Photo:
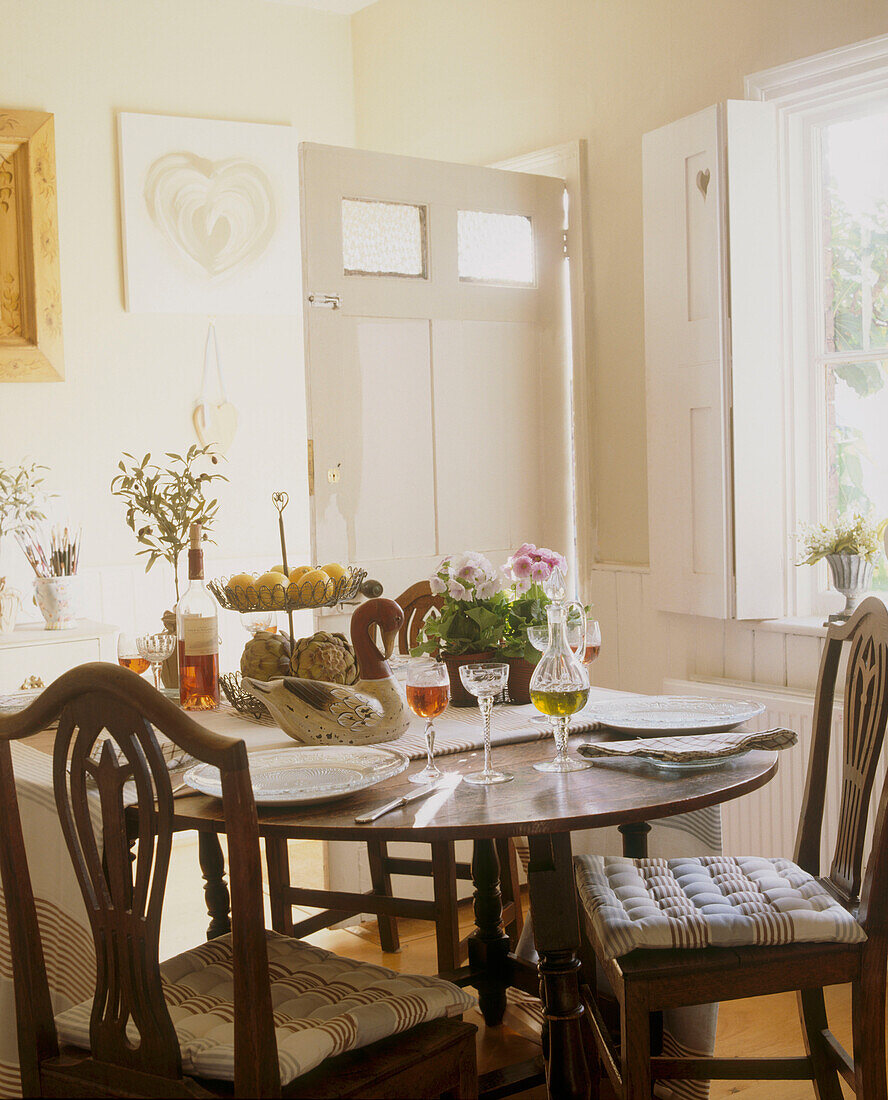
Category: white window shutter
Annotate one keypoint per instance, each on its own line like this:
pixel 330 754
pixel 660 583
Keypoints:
pixel 685 353
pixel 757 386
pixel 712 349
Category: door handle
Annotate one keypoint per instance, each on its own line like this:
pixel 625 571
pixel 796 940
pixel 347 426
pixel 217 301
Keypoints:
pixel 325 301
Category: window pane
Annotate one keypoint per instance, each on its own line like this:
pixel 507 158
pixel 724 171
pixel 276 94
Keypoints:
pixel 495 248
pixel 857 412
pixel 384 238
pixel 855 223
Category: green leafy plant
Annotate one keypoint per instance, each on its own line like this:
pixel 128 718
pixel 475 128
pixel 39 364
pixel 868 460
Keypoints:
pixel 856 533
pixel 21 497
pixel 170 499
pixel 475 609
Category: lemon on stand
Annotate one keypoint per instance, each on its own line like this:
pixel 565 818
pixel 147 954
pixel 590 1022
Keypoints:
pixel 335 571
pixel 242 591
pixel 272 589
pixel 313 587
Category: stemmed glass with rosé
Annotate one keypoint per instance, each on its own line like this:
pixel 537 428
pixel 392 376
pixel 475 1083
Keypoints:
pixel 428 693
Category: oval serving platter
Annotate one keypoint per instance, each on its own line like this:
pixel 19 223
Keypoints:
pixel 654 715
pixel 306 775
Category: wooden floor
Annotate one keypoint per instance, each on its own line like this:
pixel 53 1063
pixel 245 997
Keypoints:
pixel 765 1026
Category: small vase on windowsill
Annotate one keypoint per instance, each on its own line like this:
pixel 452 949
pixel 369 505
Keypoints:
pixel 852 575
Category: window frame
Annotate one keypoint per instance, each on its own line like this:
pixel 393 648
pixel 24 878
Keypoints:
pixel 808 95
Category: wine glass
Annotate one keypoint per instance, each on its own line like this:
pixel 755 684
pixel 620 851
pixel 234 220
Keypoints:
pixel 485 680
pixel 128 655
pixel 155 649
pixel 593 642
pixel 428 693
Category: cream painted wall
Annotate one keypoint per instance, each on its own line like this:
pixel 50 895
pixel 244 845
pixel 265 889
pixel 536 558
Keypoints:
pixel 478 82
pixel 132 379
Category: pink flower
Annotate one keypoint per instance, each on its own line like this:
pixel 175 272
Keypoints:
pixel 521 566
pixel 526 549
pixel 437 586
pixel 540 571
pixel 457 591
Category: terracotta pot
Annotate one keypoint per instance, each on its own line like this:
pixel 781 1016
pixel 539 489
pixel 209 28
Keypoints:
pixel 459 697
pixel 520 672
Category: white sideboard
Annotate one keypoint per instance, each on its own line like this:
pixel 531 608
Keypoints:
pixel 31 650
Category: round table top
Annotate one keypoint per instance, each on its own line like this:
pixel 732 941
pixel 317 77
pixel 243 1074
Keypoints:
pixel 611 792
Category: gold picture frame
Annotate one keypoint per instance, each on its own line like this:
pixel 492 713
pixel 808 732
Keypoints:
pixel 30 287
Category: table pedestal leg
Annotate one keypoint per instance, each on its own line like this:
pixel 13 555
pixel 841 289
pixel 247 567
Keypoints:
pixel 212 865
pixel 489 944
pixel 635 839
pixel 556 930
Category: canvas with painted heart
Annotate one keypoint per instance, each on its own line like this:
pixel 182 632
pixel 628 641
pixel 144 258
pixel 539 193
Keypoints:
pixel 210 216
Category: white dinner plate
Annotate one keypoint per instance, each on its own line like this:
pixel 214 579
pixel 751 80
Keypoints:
pixel 307 775
pixel 652 715
pixel 685 765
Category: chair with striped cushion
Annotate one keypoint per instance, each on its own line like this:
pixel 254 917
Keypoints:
pixel 680 932
pixel 252 1013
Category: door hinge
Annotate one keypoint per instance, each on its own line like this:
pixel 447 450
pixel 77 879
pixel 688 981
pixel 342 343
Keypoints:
pixel 325 301
pixel 311 467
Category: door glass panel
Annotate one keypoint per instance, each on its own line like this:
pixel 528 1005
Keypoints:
pixel 384 238
pixel 495 248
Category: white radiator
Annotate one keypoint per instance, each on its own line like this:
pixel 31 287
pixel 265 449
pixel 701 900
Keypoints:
pixel 765 822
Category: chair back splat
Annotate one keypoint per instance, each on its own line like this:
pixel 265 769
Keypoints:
pixel 865 714
pixel 130 1025
pixel 417 602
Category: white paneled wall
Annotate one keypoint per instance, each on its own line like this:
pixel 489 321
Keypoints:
pixel 641 646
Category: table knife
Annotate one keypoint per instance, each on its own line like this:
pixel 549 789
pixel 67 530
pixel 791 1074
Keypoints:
pixel 395 804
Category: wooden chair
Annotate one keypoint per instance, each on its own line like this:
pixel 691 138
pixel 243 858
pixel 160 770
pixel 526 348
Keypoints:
pixel 417 602
pixel 124 896
pixel 646 980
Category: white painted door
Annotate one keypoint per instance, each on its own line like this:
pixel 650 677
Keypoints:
pixel 435 361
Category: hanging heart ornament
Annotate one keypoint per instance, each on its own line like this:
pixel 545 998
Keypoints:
pixel 215 422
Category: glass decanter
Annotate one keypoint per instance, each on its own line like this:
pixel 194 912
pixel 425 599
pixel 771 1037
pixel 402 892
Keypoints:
pixel 559 686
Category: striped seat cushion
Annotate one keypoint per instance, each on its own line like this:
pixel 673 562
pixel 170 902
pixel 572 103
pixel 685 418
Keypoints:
pixel 707 901
pixel 323 1005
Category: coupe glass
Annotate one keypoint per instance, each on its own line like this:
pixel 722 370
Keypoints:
pixel 254 621
pixel 428 693
pixel 128 655
pixel 485 680
pixel 156 648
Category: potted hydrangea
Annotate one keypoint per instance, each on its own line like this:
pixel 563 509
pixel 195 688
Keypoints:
pixel 472 620
pixel 528 569
pixel 850 548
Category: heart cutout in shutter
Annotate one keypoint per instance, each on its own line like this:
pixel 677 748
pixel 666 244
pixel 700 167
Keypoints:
pixel 220 214
pixel 703 181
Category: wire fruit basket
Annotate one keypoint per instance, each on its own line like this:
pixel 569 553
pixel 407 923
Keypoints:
pixel 294 596
pixel 241 699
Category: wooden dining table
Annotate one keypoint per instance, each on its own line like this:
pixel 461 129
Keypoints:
pixel 543 806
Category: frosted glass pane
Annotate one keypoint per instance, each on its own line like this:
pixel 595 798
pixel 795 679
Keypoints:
pixel 495 248
pixel 384 238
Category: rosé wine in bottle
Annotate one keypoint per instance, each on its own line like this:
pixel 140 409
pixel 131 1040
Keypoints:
pixel 197 627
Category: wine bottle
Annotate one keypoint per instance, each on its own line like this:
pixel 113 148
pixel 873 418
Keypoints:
pixel 197 628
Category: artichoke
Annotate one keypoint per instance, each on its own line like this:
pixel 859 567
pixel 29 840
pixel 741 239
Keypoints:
pixel 325 656
pixel 266 656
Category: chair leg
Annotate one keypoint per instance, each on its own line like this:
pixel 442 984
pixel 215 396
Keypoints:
pixel 812 1011
pixel 447 922
pixel 868 1017
pixel 635 1046
pixel 382 885
pixel 510 886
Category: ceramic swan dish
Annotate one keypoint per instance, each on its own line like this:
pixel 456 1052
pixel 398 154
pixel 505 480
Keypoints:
pixel 373 709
